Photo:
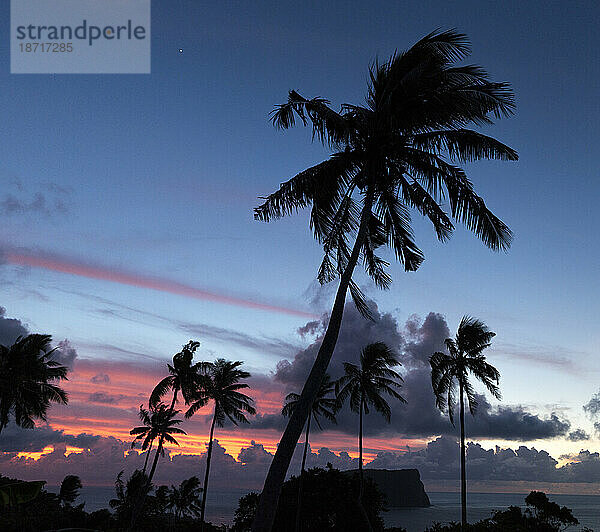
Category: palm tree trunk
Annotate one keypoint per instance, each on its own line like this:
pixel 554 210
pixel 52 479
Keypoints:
pixel 210 443
pixel 463 469
pixel 269 498
pixel 360 446
pixel 299 505
pixel 147 456
pixel 141 499
pixel 174 400
pixel 361 506
pixel 155 461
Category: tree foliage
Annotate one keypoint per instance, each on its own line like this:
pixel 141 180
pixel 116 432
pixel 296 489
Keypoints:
pixel 329 504
pixel 28 377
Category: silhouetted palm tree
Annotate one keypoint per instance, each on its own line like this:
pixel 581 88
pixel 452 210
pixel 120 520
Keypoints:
pixel 130 495
pixel 323 406
pixel 220 383
pixel 365 385
pixel 27 373
pixel 69 489
pixel 451 370
pixel 394 154
pixel 158 423
pixel 185 500
pixel 183 376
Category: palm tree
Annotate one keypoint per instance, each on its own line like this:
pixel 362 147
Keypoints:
pixel 220 383
pixel 323 406
pixel 185 500
pixel 451 370
pixel 396 153
pixel 158 423
pixel 129 494
pixel 183 376
pixel 69 489
pixel 27 373
pixel 365 385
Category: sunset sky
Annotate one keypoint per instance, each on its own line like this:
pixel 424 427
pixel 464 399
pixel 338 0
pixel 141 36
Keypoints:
pixel 126 229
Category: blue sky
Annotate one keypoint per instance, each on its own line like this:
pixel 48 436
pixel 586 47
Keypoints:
pixel 158 174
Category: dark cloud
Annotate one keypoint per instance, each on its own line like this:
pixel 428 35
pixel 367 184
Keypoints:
pixel 578 435
pixel 65 354
pixel 15 439
pixel 10 328
pixel 105 398
pixel 424 339
pixel 592 407
pixel 101 378
pixel 419 417
pixel 355 333
pixel 439 460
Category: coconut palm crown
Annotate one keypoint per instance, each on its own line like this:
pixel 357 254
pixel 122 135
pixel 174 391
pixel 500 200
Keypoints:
pixel 396 153
pixel 28 380
pixel 183 376
pixel 451 371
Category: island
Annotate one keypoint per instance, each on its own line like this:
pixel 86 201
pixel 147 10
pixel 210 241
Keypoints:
pixel 402 487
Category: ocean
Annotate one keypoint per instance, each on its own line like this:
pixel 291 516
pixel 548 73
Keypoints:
pixel 445 507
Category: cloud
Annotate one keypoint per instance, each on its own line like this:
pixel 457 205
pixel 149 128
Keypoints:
pixel 578 435
pixel 101 378
pixel 14 439
pixel 262 345
pixel 65 354
pixel 556 357
pixel 592 407
pixel 52 199
pixel 415 341
pixel 105 398
pixel 62 264
pixel 10 328
pixel 104 457
pixel 39 203
pixel 440 460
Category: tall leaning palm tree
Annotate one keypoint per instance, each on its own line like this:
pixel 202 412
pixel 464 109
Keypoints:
pixel 398 152
pixel 220 383
pixel 449 371
pixel 324 406
pixel 28 380
pixel 365 386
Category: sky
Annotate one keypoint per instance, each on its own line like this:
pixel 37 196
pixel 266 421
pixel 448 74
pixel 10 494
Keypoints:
pixel 126 229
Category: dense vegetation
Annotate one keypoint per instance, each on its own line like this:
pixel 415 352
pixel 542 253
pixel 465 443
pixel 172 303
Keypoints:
pixel 329 504
pixel 175 508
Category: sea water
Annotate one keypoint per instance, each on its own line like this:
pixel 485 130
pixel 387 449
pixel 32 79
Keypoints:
pixel 445 507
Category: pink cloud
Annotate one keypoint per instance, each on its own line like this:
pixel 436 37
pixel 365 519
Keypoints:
pixel 70 266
